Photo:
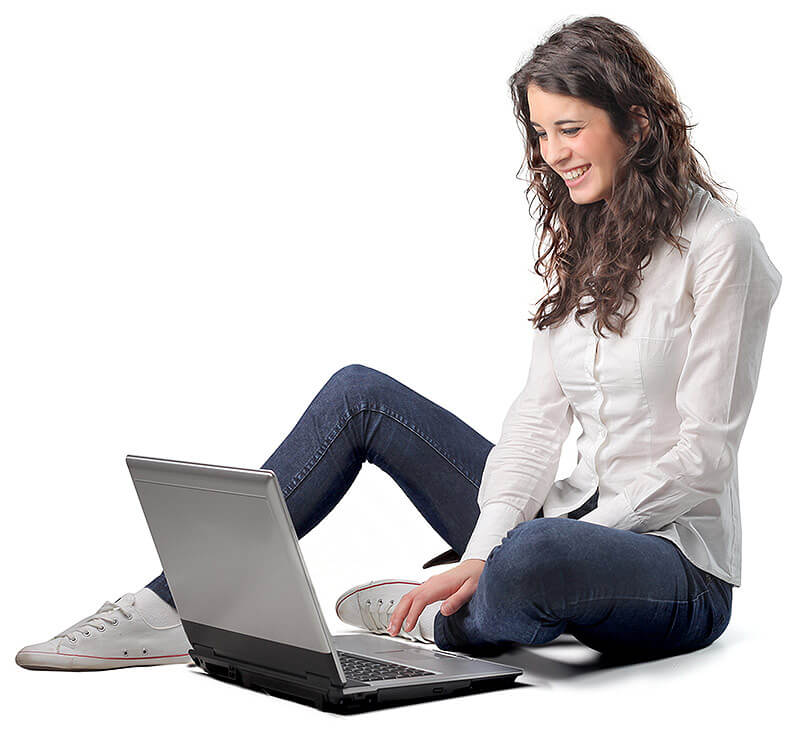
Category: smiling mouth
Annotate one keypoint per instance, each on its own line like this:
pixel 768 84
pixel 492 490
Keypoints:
pixel 580 170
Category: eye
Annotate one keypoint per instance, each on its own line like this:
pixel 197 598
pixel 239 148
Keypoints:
pixel 565 131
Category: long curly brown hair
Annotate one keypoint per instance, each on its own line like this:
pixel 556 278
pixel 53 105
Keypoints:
pixel 599 250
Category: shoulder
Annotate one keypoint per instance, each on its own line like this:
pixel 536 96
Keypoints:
pixel 718 232
pixel 706 216
pixel 726 247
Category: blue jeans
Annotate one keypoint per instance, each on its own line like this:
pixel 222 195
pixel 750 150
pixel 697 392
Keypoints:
pixel 622 593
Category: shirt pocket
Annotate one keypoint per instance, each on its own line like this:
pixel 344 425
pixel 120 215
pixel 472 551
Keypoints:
pixel 660 360
pixel 657 319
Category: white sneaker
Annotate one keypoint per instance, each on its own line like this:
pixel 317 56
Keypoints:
pixel 136 629
pixel 370 606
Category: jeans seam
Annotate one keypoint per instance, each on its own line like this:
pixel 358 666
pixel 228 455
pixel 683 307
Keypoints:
pixel 621 598
pixel 638 598
pixel 536 631
pixel 342 423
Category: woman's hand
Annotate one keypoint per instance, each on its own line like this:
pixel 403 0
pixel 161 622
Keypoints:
pixel 456 586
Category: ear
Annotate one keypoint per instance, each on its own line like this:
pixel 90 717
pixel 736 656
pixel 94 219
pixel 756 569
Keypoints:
pixel 640 116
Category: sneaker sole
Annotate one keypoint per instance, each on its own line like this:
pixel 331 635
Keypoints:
pixel 347 594
pixel 40 660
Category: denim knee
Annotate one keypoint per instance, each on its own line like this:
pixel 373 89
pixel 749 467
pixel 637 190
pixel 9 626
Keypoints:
pixel 362 387
pixel 355 381
pixel 534 565
pixel 514 599
pixel 353 373
pixel 541 542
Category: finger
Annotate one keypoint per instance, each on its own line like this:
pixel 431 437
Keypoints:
pixel 418 594
pixel 420 602
pixel 400 611
pixel 459 598
pixel 406 601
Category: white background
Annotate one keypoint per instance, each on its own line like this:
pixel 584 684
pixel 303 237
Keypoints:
pixel 210 207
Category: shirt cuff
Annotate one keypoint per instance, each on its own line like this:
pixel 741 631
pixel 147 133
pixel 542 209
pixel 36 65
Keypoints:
pixel 495 520
pixel 615 512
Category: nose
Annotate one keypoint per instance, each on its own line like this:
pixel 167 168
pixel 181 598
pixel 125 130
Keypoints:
pixel 559 157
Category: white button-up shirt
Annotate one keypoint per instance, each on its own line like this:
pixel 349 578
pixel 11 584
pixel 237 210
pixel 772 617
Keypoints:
pixel 662 409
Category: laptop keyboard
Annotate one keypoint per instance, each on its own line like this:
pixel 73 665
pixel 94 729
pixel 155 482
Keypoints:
pixel 359 668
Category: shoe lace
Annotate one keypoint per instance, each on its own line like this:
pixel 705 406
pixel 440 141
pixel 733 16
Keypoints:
pixel 377 613
pixel 108 613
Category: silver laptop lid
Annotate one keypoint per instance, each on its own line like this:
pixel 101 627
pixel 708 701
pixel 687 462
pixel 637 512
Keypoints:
pixel 230 551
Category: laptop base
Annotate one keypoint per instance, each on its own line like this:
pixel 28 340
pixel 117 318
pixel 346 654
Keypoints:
pixel 320 693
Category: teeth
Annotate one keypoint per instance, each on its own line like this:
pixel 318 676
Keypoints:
pixel 577 173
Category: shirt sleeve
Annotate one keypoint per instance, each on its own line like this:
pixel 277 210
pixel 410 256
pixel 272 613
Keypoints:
pixel 520 469
pixel 734 285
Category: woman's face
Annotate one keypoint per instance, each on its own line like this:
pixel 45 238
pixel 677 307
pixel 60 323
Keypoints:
pixel 574 134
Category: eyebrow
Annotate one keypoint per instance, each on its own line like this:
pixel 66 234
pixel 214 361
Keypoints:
pixel 558 122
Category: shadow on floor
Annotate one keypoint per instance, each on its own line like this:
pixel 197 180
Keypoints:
pixel 565 658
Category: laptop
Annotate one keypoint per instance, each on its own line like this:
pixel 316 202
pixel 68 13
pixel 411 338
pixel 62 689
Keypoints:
pixel 232 559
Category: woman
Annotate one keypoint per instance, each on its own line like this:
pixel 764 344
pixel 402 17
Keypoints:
pixel 651 334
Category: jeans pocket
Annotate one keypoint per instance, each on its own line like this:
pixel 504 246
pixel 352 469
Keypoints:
pixel 720 600
pixel 713 596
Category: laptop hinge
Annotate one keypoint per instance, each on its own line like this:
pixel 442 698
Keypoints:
pixel 243 651
pixel 203 650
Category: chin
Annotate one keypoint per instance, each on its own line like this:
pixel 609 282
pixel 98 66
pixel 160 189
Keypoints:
pixel 584 198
